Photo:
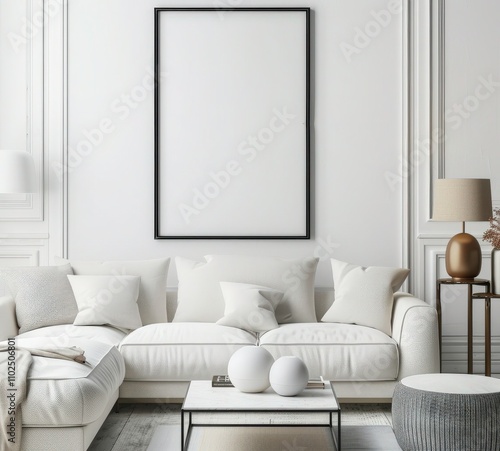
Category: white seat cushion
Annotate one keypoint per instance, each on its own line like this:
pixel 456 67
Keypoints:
pixel 66 393
pixel 338 352
pixel 104 334
pixel 181 351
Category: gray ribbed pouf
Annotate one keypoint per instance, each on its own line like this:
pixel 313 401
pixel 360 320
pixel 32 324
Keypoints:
pixel 448 412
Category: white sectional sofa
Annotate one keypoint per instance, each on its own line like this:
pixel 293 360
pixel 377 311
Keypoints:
pixel 68 402
pixel 366 364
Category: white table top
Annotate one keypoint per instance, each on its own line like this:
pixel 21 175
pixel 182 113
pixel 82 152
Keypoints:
pixel 465 384
pixel 201 396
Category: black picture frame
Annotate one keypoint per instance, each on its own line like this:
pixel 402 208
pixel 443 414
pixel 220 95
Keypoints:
pixel 285 208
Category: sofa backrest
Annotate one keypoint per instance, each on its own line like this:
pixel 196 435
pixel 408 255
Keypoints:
pixel 323 299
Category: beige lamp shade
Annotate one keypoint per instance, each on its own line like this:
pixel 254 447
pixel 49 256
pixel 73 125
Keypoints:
pixel 462 200
pixel 17 172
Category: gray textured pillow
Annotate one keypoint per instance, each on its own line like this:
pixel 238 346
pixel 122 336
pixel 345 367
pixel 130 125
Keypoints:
pixel 42 294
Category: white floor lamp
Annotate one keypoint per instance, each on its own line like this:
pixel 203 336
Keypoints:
pixel 17 172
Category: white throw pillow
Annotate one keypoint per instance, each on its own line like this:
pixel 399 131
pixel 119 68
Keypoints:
pixel 249 307
pixel 42 294
pixel 107 300
pixel 200 296
pixel 153 273
pixel 364 296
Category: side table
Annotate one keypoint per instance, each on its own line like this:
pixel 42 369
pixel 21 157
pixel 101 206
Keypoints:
pixel 447 412
pixel 487 327
pixel 470 283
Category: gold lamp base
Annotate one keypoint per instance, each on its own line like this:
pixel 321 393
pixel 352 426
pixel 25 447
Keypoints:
pixel 463 257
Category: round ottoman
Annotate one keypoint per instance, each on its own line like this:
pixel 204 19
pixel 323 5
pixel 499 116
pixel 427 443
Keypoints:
pixel 448 412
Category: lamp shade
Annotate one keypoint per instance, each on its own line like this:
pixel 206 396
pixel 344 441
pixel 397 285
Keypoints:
pixel 17 172
pixel 462 200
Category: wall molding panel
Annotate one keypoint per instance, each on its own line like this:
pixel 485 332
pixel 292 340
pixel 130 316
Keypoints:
pixel 28 228
pixel 24 249
pixel 17 256
pixel 15 202
pixel 408 39
pixel 455 354
pixel 429 239
pixel 30 207
pixel 56 127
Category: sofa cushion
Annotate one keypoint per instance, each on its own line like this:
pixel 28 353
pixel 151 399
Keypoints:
pixel 66 333
pixel 364 295
pixel 107 300
pixel 153 275
pixel 339 352
pixel 249 307
pixel 66 393
pixel 200 296
pixel 42 294
pixel 181 351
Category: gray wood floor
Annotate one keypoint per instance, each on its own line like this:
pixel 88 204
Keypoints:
pixel 132 428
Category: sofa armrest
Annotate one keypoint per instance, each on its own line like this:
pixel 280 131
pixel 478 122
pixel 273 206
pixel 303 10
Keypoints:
pixel 415 329
pixel 8 321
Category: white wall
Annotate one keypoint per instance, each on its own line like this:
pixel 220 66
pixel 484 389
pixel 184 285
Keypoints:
pixel 357 137
pixel 462 63
pixel 13 71
pixel 472 149
pixel 23 231
pixel 472 108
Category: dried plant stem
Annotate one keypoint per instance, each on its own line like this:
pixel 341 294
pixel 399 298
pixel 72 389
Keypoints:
pixel 492 235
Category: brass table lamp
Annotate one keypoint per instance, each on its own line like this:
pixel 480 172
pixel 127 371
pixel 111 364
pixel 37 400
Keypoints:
pixel 462 200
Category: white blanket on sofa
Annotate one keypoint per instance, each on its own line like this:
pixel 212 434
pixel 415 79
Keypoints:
pixel 14 366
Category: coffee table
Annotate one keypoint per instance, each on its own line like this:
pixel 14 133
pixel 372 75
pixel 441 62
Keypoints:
pixel 202 398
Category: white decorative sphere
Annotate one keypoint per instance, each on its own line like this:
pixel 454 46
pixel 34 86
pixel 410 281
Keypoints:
pixel 289 376
pixel 249 367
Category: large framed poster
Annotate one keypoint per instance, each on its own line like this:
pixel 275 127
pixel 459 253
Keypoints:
pixel 232 123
